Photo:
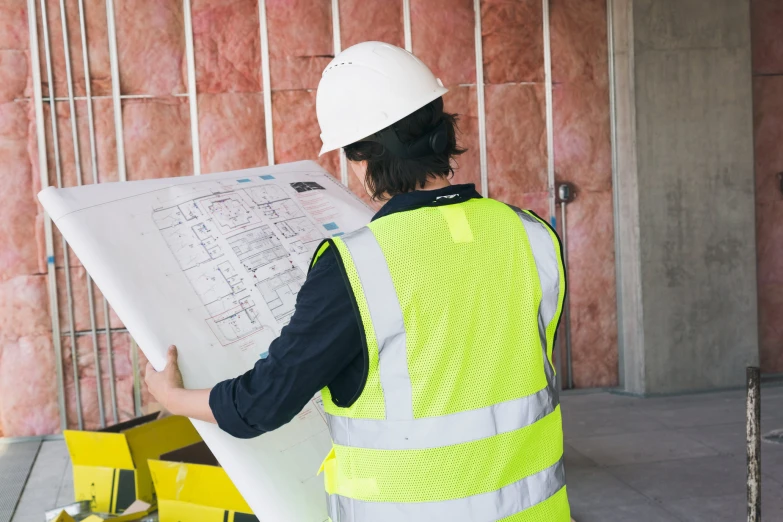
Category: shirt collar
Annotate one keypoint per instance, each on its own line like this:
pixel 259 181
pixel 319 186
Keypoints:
pixel 428 198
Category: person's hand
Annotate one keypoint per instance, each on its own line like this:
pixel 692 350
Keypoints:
pixel 164 383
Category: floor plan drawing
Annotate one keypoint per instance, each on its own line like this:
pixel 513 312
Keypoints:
pixel 280 292
pixel 236 323
pixel 265 194
pixel 229 211
pixel 257 247
pixel 235 246
pixel 301 228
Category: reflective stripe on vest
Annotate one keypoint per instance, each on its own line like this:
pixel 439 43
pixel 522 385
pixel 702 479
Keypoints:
pixel 401 431
pixel 386 320
pixel 486 507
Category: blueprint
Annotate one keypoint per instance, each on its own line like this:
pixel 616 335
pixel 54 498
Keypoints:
pixel 241 246
pixel 214 264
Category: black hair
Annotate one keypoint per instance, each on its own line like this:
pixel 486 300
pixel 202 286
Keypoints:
pixel 388 174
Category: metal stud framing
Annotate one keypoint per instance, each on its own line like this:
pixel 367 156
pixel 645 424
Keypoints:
pixel 59 178
pixel 550 134
pixel 77 161
pixel 338 47
pixel 117 98
pixel 121 173
pixel 406 25
pixel 72 334
pixel 44 173
pixel 266 83
pixel 482 113
pixel 191 60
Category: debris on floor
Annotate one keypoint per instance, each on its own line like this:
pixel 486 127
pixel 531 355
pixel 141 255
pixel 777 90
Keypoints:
pixel 75 510
pixel 80 512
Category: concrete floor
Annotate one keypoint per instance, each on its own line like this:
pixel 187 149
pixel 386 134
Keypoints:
pixel 672 459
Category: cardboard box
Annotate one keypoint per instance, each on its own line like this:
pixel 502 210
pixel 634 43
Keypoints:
pixel 192 486
pixel 110 466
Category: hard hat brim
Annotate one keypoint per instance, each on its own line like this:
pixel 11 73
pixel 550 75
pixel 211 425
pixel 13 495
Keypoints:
pixel 328 147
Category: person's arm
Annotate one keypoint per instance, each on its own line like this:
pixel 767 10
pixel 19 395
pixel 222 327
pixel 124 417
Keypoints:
pixel 166 386
pixel 322 339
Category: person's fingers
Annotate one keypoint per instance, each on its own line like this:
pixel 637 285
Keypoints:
pixel 149 371
pixel 172 356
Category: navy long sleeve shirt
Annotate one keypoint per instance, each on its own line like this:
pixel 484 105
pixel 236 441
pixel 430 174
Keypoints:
pixel 321 346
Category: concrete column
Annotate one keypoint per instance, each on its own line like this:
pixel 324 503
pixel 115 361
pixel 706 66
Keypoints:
pixel 684 193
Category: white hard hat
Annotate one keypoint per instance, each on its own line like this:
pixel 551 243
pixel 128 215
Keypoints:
pixel 368 87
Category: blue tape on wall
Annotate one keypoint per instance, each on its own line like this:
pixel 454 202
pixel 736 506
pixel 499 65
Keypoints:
pixel 553 222
pixel 50 260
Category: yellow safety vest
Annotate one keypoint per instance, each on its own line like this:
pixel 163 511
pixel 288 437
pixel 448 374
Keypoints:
pixel 459 418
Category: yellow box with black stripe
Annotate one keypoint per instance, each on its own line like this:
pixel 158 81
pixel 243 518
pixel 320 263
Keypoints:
pixel 110 466
pixel 192 486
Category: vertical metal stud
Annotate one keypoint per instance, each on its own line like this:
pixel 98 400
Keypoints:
pixel 550 133
pixel 78 166
pixel 569 374
pixel 59 177
pixel 482 113
pixel 406 25
pixel 94 170
pixel 550 149
pixel 115 89
pixel 119 138
pixel 192 98
pixel 337 49
pixel 267 84
pixel 44 174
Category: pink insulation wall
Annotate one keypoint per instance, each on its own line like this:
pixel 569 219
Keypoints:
pixel 231 130
pixel 767 20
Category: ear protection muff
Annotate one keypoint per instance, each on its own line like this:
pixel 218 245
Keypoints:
pixel 433 141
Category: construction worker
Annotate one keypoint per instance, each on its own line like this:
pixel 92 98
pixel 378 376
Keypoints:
pixel 429 332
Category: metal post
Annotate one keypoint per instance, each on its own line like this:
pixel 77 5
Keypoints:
pixel 406 25
pixel 117 97
pixel 482 114
pixel 566 303
pixel 753 438
pixel 111 30
pixel 337 49
pixel 94 170
pixel 43 171
pixel 267 84
pixel 59 177
pixel 550 133
pixel 192 98
pixel 78 166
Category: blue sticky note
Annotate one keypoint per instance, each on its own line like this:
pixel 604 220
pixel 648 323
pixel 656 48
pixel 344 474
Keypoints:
pixel 553 221
pixel 245 180
pixel 267 176
pixel 338 234
pixel 50 260
pixel 331 226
